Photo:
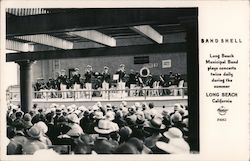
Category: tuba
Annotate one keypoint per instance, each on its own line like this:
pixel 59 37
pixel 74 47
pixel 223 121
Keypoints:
pixel 144 72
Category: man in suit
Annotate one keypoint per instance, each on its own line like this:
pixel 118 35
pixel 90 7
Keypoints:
pixel 63 81
pixel 88 80
pixel 76 82
pixel 121 83
pixel 105 81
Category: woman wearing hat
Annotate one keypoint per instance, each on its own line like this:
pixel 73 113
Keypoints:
pixel 172 142
pixel 154 127
pixel 103 143
pixel 33 141
pixel 73 122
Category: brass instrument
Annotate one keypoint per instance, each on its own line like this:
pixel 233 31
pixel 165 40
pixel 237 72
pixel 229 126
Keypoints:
pixel 144 72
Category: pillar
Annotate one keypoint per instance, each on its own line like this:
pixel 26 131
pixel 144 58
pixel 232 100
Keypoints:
pixel 26 85
pixel 191 27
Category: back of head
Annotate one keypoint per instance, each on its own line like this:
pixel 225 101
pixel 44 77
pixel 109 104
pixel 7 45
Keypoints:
pixel 126 148
pixel 136 143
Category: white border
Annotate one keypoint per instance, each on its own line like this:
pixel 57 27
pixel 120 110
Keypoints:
pixel 212 133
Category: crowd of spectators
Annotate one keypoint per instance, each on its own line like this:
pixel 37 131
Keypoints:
pixel 140 128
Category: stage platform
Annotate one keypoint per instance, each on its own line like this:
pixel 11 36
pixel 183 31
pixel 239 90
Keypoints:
pixel 158 101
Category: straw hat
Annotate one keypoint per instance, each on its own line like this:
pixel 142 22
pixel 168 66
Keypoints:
pixel 34 132
pixel 98 115
pixel 156 123
pixel 73 118
pixel 42 126
pixel 103 127
pixel 175 143
pixel 110 115
pixel 176 117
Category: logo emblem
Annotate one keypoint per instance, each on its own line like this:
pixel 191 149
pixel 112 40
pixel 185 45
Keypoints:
pixel 222 110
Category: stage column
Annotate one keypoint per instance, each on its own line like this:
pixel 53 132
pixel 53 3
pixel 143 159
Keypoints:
pixel 191 27
pixel 26 85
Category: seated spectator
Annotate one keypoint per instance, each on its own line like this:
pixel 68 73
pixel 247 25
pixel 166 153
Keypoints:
pixel 126 148
pixel 33 141
pixel 16 143
pixel 27 121
pixel 83 144
pixel 44 129
pixel 103 143
pixel 75 128
pixel 154 127
pixel 125 133
pixel 173 142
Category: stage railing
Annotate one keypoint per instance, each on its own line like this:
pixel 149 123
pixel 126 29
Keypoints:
pixel 109 94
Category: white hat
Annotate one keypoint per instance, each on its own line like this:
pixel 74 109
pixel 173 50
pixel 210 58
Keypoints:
pixel 124 103
pixel 176 143
pixel 110 115
pixel 98 115
pixel 42 126
pixel 103 127
pixel 82 108
pixel 95 107
pixel 73 118
pixel 137 104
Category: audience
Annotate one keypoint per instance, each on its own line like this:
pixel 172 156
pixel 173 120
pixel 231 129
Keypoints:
pixel 99 129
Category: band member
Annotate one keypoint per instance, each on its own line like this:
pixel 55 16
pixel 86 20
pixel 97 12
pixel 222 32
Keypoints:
pixel 51 86
pixel 40 86
pixel 76 82
pixel 121 73
pixel 121 83
pixel 63 81
pixel 132 82
pixel 105 81
pixel 88 80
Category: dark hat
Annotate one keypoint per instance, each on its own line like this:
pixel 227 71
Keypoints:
pixel 151 105
pixel 27 120
pixel 156 123
pixel 126 148
pixel 125 132
pixel 103 147
pixel 19 114
pixel 137 143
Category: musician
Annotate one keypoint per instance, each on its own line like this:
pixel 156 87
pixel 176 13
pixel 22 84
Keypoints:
pixel 121 73
pixel 51 84
pixel 121 82
pixel 106 77
pixel 63 81
pixel 132 81
pixel 39 85
pixel 76 76
pixel 171 79
pixel 76 82
pixel 88 79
